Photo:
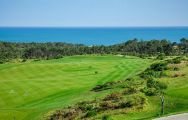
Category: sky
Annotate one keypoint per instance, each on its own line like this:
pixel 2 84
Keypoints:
pixel 93 13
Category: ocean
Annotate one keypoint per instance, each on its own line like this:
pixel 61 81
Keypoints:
pixel 91 36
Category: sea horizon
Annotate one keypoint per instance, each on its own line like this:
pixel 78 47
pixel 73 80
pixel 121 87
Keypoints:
pixel 93 26
pixel 92 35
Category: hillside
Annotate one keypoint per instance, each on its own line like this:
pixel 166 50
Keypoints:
pixel 176 97
pixel 137 97
pixel 33 88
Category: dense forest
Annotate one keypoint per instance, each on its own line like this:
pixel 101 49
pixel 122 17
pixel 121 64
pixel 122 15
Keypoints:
pixel 24 51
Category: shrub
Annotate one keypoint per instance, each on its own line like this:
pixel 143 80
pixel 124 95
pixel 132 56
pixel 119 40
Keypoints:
pixel 136 100
pixel 58 56
pixel 91 113
pixel 161 56
pixel 159 66
pixel 1 62
pixel 106 105
pixel 169 61
pixel 178 75
pixel 106 117
pixel 176 60
pixel 101 87
pixel 156 84
pixel 89 107
pixel 113 96
pixel 86 105
pixel 130 90
pixel 111 83
pixel 161 85
pixel 151 83
pixel 104 86
pixel 150 73
pixel 175 68
pixel 24 60
pixel 3 59
pixel 69 114
pixel 150 91
pixel 130 82
pixel 126 104
pixel 156 70
pixel 153 87
pixel 183 74
pixel 143 56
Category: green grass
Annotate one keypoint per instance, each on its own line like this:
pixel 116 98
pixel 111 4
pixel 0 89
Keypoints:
pixel 176 99
pixel 28 90
pixel 177 94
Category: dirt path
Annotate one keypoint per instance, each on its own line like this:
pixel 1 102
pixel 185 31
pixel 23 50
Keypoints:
pixel 183 116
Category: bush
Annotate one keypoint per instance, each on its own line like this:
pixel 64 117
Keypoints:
pixel 136 100
pixel 86 105
pixel 104 86
pixel 130 90
pixel 175 68
pixel 113 96
pixel 130 82
pixel 161 85
pixel 156 84
pixel 161 56
pixel 106 117
pixel 153 87
pixel 101 87
pixel 159 66
pixel 151 83
pixel 150 73
pixel 126 104
pixel 178 75
pixel 69 114
pixel 176 60
pixel 150 91
pixel 24 60
pixel 143 56
pixel 58 57
pixel 106 105
pixel 156 70
pixel 91 113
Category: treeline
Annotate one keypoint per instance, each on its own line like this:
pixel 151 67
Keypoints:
pixel 9 50
pixel 152 47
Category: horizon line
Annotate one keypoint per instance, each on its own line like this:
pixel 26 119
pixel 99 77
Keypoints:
pixel 89 26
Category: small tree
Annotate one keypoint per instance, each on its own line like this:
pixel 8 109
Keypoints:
pixel 160 86
pixel 161 56
pixel 162 101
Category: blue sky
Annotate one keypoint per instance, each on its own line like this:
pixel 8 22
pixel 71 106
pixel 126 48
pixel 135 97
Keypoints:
pixel 93 13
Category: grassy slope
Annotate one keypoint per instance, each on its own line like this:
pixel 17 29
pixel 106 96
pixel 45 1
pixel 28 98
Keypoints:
pixel 176 100
pixel 30 89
